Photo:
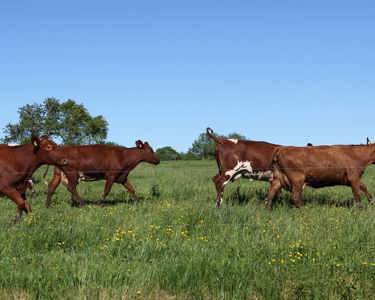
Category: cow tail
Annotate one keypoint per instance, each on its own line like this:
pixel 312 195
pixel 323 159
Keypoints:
pixel 211 135
pixel 275 156
pixel 278 171
pixel 45 175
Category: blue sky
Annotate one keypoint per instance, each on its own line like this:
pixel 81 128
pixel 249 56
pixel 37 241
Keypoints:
pixel 289 72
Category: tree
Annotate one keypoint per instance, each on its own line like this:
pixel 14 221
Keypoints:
pixel 168 153
pixel 204 148
pixel 67 121
pixel 235 135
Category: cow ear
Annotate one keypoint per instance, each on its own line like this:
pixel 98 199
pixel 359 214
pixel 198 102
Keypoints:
pixel 139 144
pixel 36 143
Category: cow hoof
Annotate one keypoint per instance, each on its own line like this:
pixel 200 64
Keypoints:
pixel 15 221
pixel 78 204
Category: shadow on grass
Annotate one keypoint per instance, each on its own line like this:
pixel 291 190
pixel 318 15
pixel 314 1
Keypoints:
pixel 112 202
pixel 243 197
pixel 327 200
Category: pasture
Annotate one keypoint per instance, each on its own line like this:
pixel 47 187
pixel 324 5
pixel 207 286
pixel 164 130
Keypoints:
pixel 176 245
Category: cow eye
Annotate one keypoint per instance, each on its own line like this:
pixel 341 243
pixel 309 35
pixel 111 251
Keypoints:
pixel 49 148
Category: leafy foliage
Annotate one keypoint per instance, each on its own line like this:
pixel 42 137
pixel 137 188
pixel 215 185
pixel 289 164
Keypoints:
pixel 204 148
pixel 67 121
pixel 168 153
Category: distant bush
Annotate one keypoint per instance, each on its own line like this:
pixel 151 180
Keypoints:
pixel 204 148
pixel 189 156
pixel 168 153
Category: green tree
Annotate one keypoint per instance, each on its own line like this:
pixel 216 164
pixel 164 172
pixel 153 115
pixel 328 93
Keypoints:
pixel 67 121
pixel 236 135
pixel 204 148
pixel 189 156
pixel 168 153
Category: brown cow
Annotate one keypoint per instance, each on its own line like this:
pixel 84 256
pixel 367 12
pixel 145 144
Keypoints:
pixel 240 158
pixel 96 162
pixel 18 163
pixel 321 166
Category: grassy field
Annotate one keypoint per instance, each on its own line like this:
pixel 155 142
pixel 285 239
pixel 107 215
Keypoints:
pixel 176 245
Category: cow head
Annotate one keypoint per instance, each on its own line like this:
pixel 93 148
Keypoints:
pixel 147 153
pixel 47 151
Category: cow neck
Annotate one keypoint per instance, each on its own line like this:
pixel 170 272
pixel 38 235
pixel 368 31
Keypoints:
pixel 372 153
pixel 134 157
pixel 366 152
pixel 30 159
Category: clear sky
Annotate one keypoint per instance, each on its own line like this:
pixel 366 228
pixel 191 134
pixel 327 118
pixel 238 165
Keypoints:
pixel 289 72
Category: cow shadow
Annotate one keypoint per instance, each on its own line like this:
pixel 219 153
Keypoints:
pixel 111 202
pixel 328 200
pixel 243 197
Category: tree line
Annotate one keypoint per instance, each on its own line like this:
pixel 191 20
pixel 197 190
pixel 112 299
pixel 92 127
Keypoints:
pixel 69 122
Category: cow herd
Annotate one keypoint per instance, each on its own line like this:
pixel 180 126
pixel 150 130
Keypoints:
pixel 290 168
pixel 72 164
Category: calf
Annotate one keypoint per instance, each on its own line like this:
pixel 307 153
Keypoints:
pixel 321 166
pixel 96 162
pixel 240 158
pixel 18 163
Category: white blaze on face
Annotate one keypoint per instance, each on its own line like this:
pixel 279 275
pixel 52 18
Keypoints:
pixel 236 172
pixel 234 141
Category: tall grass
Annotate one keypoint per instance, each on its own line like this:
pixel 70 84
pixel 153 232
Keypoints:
pixel 176 245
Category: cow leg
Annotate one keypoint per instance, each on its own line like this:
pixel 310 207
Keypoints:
pixel 296 195
pixel 108 186
pixel 273 190
pixel 369 197
pixel 297 182
pixel 130 189
pixel 356 189
pixel 219 181
pixel 15 196
pixel 52 186
pixel 72 188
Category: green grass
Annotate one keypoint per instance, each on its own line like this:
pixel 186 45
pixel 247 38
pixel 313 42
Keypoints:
pixel 176 245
